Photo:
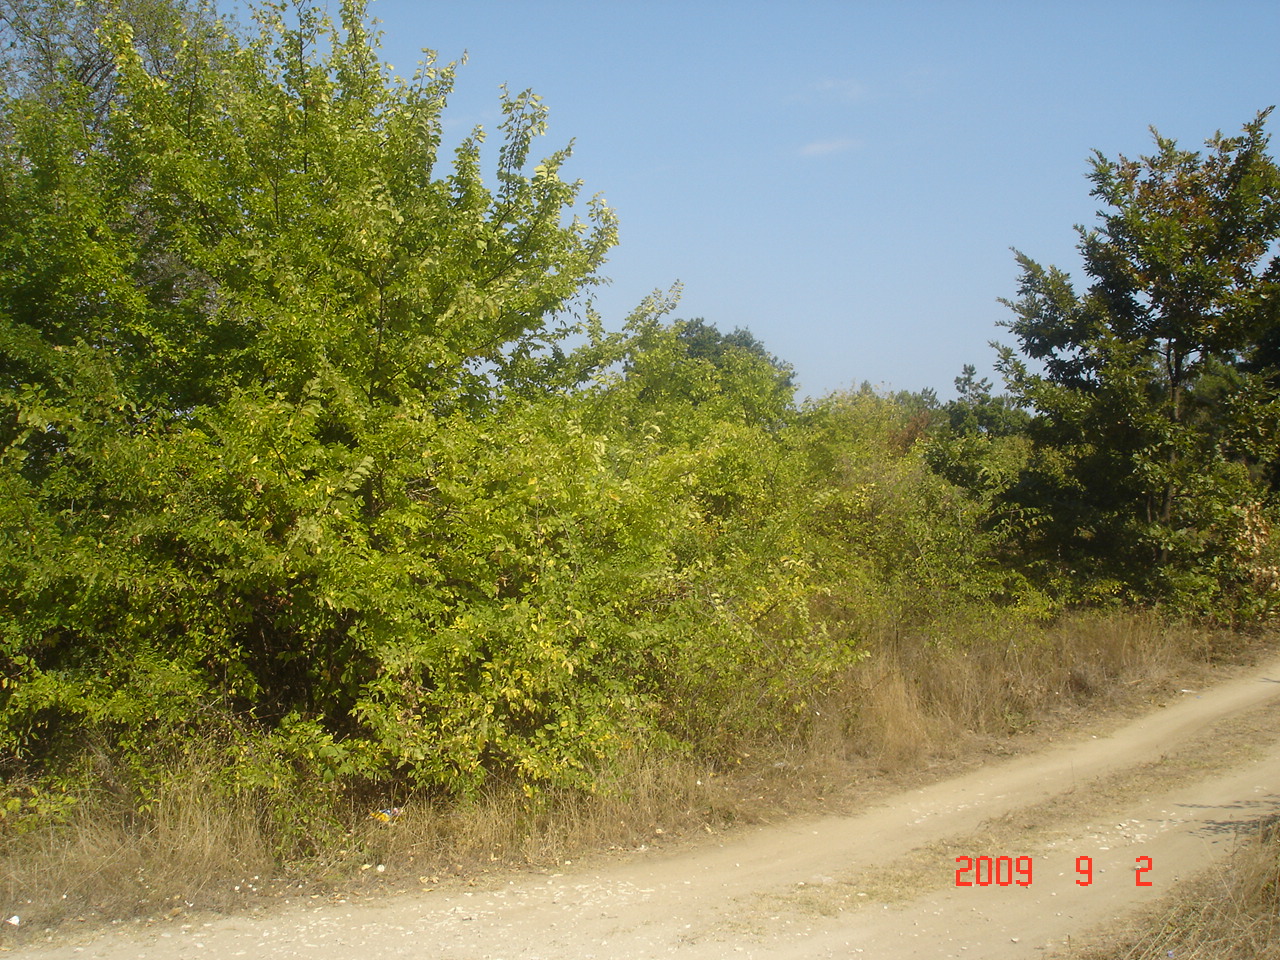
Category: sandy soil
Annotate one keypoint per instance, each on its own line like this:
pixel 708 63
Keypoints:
pixel 1178 786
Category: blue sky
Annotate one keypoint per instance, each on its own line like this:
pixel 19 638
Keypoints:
pixel 846 179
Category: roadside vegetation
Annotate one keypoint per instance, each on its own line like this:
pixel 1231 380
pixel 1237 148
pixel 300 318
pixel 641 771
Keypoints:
pixel 326 492
pixel 1230 913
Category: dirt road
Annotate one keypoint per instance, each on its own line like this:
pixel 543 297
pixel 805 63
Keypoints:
pixel 1175 787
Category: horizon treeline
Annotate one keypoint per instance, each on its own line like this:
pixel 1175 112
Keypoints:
pixel 297 465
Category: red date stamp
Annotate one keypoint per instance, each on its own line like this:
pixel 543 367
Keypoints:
pixel 1010 871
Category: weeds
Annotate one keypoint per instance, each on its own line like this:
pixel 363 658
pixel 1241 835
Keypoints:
pixel 190 846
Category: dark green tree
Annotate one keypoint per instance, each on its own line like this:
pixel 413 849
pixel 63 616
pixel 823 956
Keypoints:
pixel 1152 417
pixel 976 411
pixel 704 341
pixel 685 375
pixel 979 444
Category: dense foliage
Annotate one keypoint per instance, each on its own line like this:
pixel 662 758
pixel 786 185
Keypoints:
pixel 252 341
pixel 1157 425
pixel 295 462
pixel 298 466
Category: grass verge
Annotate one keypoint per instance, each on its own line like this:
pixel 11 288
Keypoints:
pixel 1230 913
pixel 920 702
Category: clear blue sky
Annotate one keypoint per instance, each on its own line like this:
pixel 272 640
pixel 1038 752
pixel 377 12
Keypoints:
pixel 846 179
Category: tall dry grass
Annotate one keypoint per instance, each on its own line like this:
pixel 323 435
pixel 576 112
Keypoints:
pixel 931 693
pixel 112 859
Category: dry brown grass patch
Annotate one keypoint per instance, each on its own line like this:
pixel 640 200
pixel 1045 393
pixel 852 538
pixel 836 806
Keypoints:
pixel 189 847
pixel 932 694
pixel 1231 913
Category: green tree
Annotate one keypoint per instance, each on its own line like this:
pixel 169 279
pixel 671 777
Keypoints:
pixel 975 411
pixel 290 454
pixel 704 341
pixel 685 376
pixel 981 446
pixel 46 44
pixel 250 321
pixel 1150 426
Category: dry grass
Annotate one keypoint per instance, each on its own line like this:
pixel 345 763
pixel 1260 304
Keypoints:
pixel 189 846
pixel 915 700
pixel 931 695
pixel 196 850
pixel 1233 913
pixel 651 799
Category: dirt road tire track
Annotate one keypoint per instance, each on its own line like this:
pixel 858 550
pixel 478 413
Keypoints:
pixel 1177 785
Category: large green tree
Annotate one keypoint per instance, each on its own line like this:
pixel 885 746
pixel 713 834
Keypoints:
pixel 253 319
pixel 1154 410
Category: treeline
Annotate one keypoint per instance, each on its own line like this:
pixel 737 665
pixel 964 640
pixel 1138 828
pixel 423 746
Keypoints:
pixel 302 465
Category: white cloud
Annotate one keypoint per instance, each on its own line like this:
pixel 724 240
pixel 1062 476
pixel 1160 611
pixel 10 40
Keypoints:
pixel 822 148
